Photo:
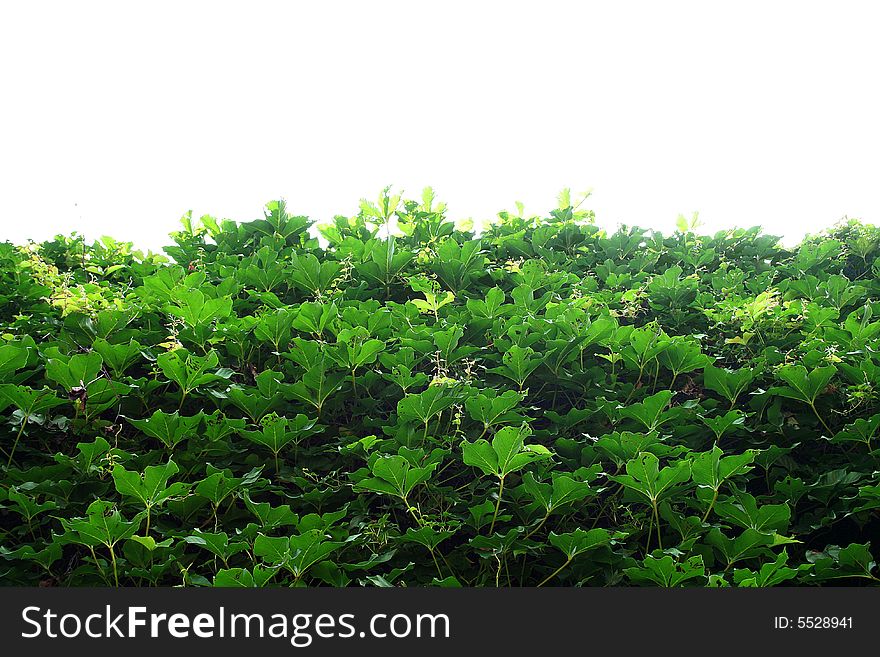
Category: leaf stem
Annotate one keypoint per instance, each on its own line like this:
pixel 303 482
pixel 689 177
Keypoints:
pixel 539 525
pixel 436 564
pixel 556 572
pixel 827 428
pixel 17 438
pixel 497 504
pixel 657 523
pixel 711 505
pixel 113 561
pixel 98 563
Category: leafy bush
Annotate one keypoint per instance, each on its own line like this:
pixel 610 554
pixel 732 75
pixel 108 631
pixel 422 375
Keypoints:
pixel 403 402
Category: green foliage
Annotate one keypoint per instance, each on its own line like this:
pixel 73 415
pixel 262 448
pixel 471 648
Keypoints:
pixel 406 403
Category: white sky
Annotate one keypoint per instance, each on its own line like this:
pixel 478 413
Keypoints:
pixel 116 120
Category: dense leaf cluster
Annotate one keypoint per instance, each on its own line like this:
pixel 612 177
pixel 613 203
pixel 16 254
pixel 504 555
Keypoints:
pixel 401 402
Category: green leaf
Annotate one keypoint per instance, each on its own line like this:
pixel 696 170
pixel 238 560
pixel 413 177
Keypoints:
pixel 644 476
pixel 863 430
pixel 189 371
pixel 149 543
pixel 242 578
pixel 29 401
pixel 311 275
pixel 623 446
pixel 427 404
pixel 275 327
pixel 150 487
pixel 730 384
pixel 518 364
pixel 491 307
pixel 872 496
pixel 426 536
pixel 317 385
pixel 681 357
pixel 102 525
pixel 579 541
pixel 78 371
pixel 802 385
pixel 491 408
pixel 279 432
pixel 315 318
pixel 118 357
pixel 481 455
pixel 645 344
pixel 834 562
pixel 295 553
pixel 271 517
pixel 353 353
pixel 170 428
pixel 743 510
pixel 563 490
pixel 12 358
pixel 724 423
pixel 216 543
pixel 507 452
pixel 749 544
pixel 773 573
pixel 393 475
pixel 666 572
pixel 217 487
pixel 27 507
pixel 711 469
pixel 649 412
pixel 194 308
pixel 45 557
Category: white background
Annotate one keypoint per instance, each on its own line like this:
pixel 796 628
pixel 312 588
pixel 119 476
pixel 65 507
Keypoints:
pixel 117 117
